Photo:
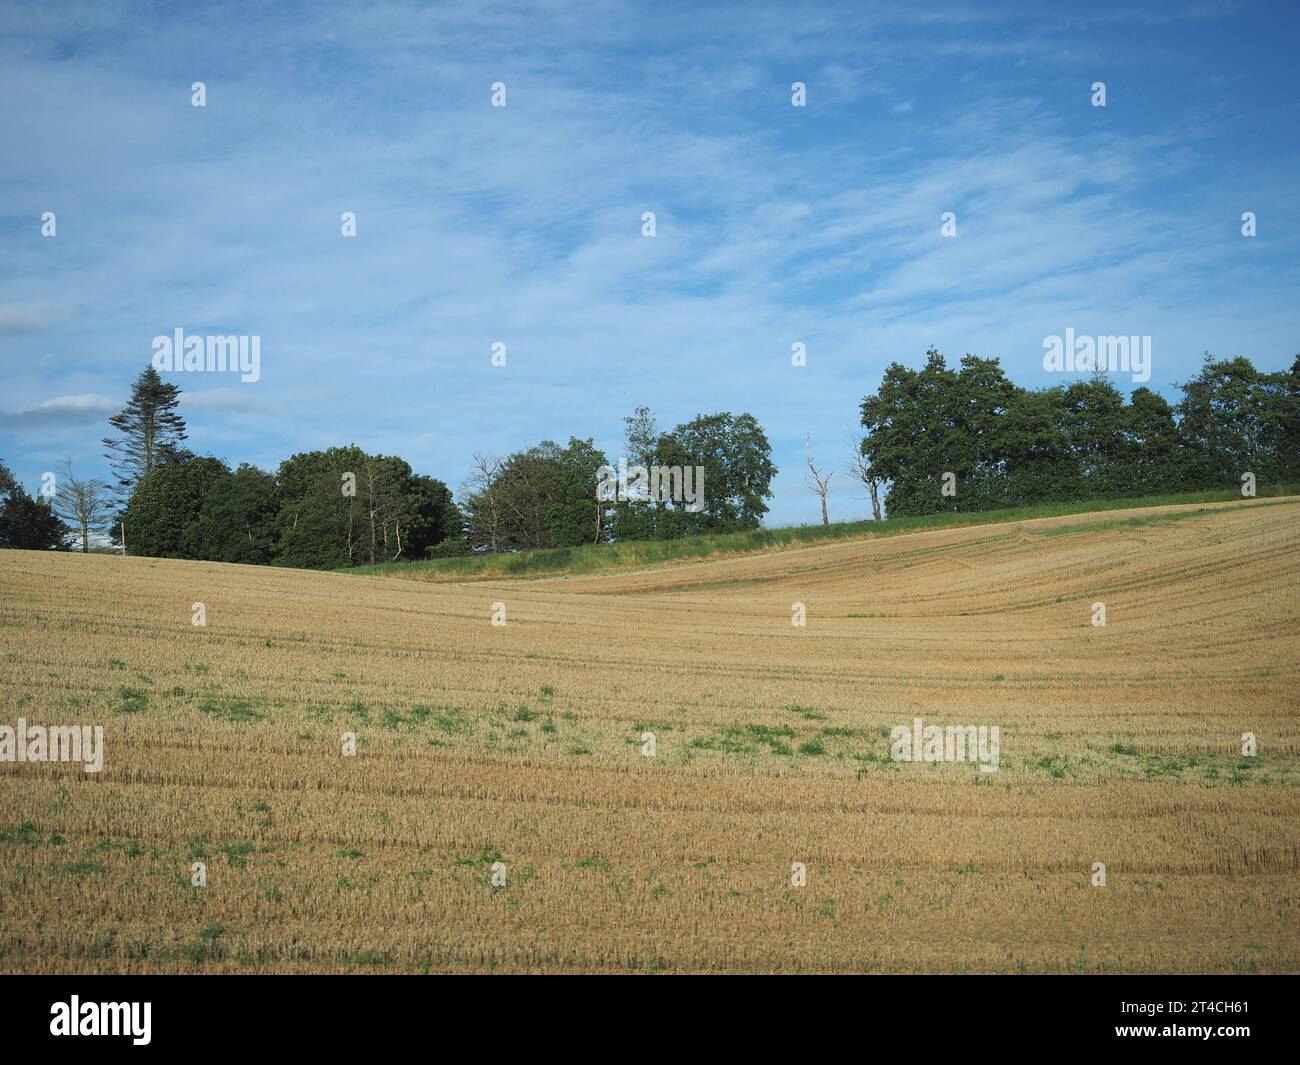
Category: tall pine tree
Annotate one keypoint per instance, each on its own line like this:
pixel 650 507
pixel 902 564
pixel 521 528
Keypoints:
pixel 149 428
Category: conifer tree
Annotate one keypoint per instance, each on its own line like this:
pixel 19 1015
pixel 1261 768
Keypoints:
pixel 149 430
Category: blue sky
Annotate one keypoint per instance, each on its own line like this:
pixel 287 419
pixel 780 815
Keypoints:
pixel 522 224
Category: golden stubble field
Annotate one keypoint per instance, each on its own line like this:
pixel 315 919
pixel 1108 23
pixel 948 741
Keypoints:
pixel 522 744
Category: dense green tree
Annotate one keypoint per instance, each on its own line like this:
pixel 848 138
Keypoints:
pixel 736 459
pixel 383 487
pixel 923 424
pixel 164 517
pixel 1222 422
pixel 738 470
pixel 317 523
pixel 434 517
pixel 1038 464
pixel 1156 452
pixel 324 509
pixel 574 515
pixel 28 523
pixel 1278 398
pixel 237 518
pixel 542 497
pixel 1102 458
pixel 1233 419
pixel 344 507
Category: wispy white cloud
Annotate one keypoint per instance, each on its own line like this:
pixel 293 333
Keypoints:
pixel 61 410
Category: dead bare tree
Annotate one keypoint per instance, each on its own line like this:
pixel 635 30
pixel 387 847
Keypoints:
pixel 820 480
pixel 859 468
pixel 481 485
pixel 85 505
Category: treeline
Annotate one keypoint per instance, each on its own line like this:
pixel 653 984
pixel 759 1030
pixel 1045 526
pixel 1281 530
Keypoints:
pixel 934 439
pixel 345 507
pixel 1007 446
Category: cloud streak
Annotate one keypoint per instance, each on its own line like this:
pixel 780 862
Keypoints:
pixel 60 411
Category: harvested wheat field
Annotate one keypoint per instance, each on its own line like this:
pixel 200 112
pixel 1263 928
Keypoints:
pixel 523 744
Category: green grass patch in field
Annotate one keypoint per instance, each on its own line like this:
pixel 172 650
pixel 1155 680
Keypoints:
pixel 239 711
pixel 131 701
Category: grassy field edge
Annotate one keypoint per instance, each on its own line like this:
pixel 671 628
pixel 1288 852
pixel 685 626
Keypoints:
pixel 603 558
